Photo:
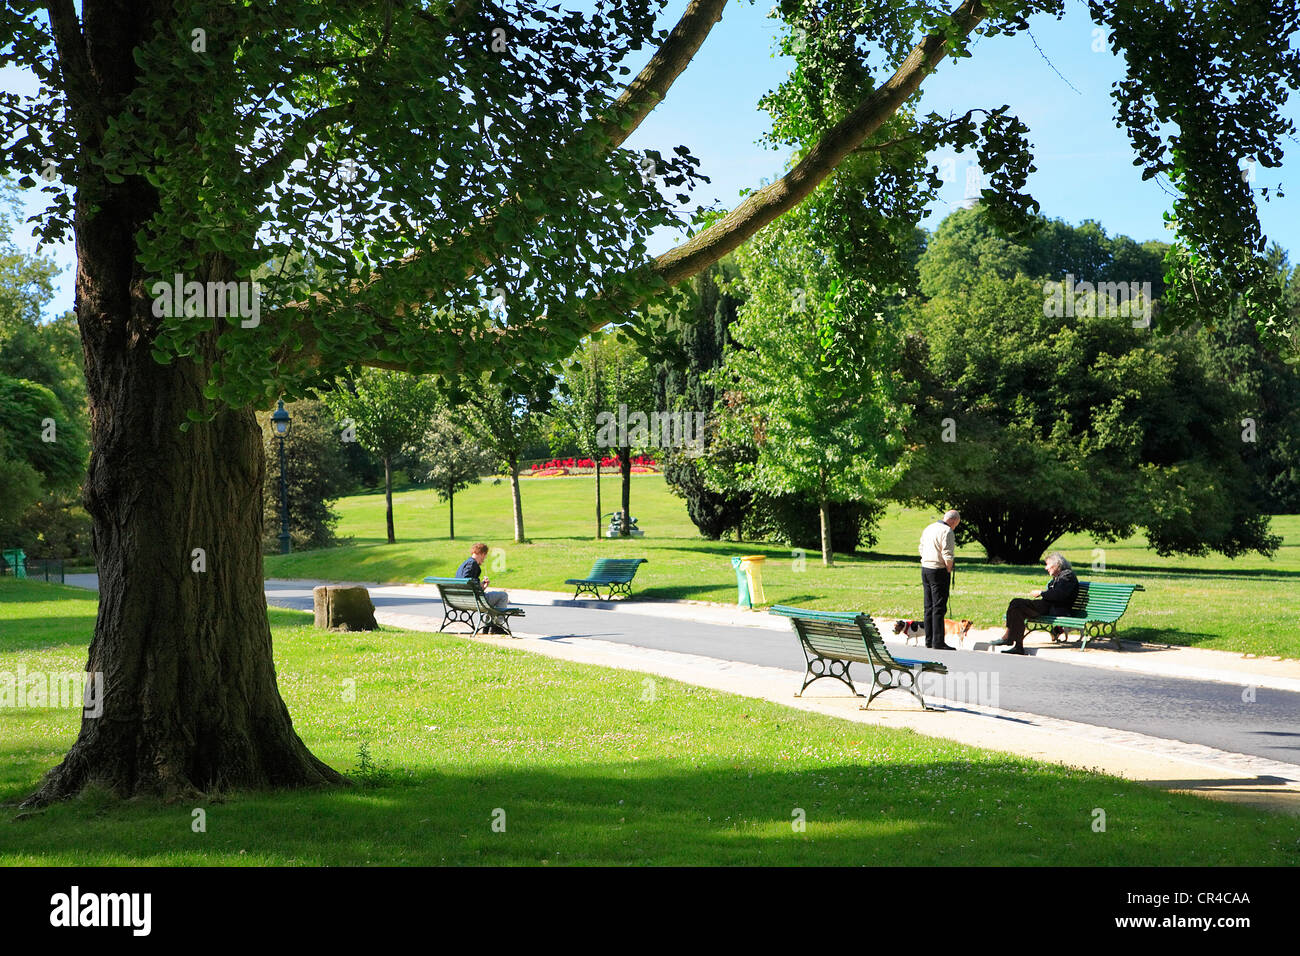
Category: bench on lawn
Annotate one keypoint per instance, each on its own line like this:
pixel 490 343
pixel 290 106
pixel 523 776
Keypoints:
pixel 615 574
pixel 832 640
pixel 463 598
pixel 1095 611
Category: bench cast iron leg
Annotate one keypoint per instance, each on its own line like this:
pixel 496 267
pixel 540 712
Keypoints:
pixel 819 667
pixel 889 682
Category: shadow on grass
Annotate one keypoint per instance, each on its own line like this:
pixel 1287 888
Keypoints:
pixel 75 630
pixel 26 590
pixel 653 812
pixel 1156 636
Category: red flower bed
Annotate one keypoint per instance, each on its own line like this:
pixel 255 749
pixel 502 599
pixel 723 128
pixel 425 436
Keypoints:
pixel 641 465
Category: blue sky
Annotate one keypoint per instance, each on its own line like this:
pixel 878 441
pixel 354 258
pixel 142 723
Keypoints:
pixel 1084 163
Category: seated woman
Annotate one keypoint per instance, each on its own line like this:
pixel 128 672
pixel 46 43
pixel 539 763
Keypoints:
pixel 1056 598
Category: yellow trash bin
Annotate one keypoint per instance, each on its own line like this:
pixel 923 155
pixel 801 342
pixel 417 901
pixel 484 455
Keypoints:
pixel 752 564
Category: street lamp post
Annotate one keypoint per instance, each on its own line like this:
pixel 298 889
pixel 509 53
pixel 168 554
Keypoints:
pixel 280 422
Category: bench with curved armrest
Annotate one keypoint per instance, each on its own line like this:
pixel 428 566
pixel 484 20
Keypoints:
pixel 833 640
pixel 1095 613
pixel 463 600
pixel 613 574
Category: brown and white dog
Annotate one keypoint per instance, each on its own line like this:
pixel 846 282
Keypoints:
pixel 915 630
pixel 958 629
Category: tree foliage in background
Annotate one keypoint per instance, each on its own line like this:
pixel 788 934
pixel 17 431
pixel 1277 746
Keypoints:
pixel 1035 427
pixel 819 428
pixel 579 400
pixel 1268 391
pixel 698 334
pixel 452 460
pixel 628 386
pixel 40 378
pixel 968 245
pixel 390 412
pixel 315 475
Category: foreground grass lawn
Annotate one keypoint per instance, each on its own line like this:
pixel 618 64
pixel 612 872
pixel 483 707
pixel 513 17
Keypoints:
pixel 584 765
pixel 1233 605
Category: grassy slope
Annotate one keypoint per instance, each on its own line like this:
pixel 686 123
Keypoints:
pixel 587 771
pixel 1246 604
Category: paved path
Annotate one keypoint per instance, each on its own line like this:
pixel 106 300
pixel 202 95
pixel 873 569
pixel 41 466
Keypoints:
pixel 1208 713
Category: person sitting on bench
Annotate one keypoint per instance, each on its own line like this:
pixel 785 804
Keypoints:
pixel 472 567
pixel 1055 599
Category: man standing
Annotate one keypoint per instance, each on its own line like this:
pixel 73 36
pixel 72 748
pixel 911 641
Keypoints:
pixel 472 567
pixel 937 546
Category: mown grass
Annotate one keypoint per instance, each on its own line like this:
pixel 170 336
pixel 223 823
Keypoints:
pixel 1247 604
pixel 585 765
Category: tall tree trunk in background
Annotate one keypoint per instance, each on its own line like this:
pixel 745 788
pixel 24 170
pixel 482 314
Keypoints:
pixel 625 467
pixel 516 500
pixel 388 497
pixel 598 529
pixel 451 512
pixel 828 553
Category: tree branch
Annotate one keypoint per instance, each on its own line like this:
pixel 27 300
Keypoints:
pixel 761 208
pixel 610 129
pixel 764 206
pixel 74 63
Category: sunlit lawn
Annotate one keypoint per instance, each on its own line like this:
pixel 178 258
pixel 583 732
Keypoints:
pixel 580 767
pixel 1249 604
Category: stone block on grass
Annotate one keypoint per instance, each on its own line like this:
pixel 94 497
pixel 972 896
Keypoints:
pixel 344 608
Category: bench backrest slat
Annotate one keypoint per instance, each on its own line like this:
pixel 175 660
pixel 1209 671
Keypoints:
pixel 832 639
pixel 846 635
pixel 1102 601
pixel 463 594
pixel 615 570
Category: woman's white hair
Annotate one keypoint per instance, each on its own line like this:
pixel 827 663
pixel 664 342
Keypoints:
pixel 1061 561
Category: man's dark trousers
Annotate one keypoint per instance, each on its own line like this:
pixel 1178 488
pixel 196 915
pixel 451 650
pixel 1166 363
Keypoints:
pixel 935 582
pixel 1020 610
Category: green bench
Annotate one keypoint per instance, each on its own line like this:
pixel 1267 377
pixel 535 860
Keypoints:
pixel 614 574
pixel 1096 610
pixel 833 640
pixel 463 602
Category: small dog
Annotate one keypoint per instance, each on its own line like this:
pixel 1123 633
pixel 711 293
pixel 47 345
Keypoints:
pixel 958 629
pixel 915 630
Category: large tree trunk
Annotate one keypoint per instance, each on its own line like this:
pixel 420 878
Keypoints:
pixel 1013 538
pixel 516 501
pixel 599 531
pixel 190 702
pixel 388 497
pixel 190 697
pixel 451 512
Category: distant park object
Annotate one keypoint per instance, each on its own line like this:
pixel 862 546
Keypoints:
pixel 614 574
pixel 340 608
